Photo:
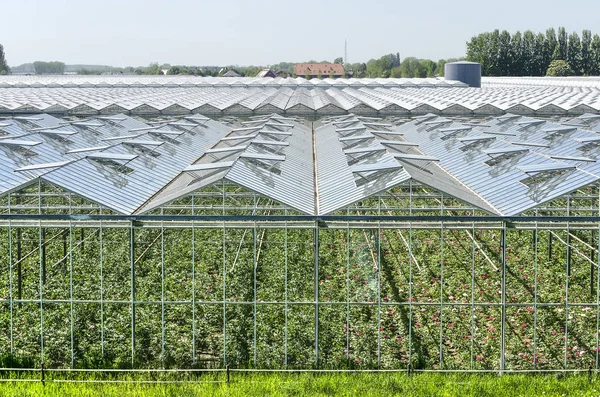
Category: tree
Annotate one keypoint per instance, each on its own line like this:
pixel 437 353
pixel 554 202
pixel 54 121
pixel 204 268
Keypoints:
pixel 574 53
pixel 427 67
pixel 586 52
pixel 595 50
pixel 559 68
pixel 174 70
pixel 441 67
pixel 548 48
pixel 503 67
pixel 561 47
pixel 541 63
pixel 339 61
pixel 493 51
pixel 516 54
pixel 4 69
pixel 153 68
pixel 528 51
pixel 49 67
pixel 477 51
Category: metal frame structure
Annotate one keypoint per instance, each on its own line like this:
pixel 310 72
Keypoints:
pixel 394 256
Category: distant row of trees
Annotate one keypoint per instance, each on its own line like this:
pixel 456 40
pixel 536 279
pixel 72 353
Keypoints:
pixel 49 67
pixel 4 69
pixel 531 54
pixel 391 65
pixel 248 71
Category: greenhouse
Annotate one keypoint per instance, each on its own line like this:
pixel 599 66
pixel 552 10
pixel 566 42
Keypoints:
pixel 423 242
pixel 248 96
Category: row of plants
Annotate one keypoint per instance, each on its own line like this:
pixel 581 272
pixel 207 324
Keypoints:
pixel 253 296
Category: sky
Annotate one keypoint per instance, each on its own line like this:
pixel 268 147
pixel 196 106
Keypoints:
pixel 235 32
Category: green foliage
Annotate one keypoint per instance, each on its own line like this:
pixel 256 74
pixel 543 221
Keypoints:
pixel 586 52
pixel 174 70
pixel 595 56
pixel 49 67
pixel 377 67
pixel 339 60
pixel 211 281
pixel 559 68
pixel 574 57
pixel 293 384
pixel 4 69
pixel 390 66
pixel 153 68
pixel 530 54
pixel 561 48
pixel 86 72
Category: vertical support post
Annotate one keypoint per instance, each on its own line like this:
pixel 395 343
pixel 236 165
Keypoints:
pixel 598 302
pixel 379 283
pixel 410 283
pixel 568 275
pixel 193 281
pixel 285 331
pixel 41 286
pixel 223 244
pixel 503 288
pixel 132 264
pixel 254 291
pixel 472 290
pixel 535 294
pixel 441 295
pixel 71 292
pixel 19 267
pixel 378 295
pixel 43 255
pixel 101 238
pixel 592 266
pixel 316 245
pixel 347 288
pixel 162 291
pixel 11 288
pixel 568 239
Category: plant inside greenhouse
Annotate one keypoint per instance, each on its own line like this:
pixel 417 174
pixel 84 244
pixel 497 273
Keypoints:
pixel 282 242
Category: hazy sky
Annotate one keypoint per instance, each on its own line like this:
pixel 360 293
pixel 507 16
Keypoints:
pixel 223 32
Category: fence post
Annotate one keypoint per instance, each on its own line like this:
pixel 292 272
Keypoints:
pixel 43 375
pixel 228 373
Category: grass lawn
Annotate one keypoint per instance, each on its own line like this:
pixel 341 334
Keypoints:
pixel 382 384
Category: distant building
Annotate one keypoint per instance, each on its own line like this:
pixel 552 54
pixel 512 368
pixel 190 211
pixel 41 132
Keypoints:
pixel 266 73
pixel 231 73
pixel 314 70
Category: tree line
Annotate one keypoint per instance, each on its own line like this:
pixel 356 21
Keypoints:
pixel 536 54
pixel 4 69
pixel 49 67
